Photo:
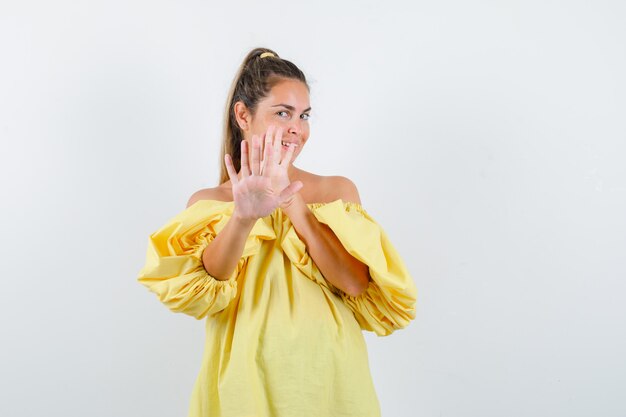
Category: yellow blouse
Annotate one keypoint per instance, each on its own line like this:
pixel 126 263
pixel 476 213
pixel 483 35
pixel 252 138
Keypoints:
pixel 281 341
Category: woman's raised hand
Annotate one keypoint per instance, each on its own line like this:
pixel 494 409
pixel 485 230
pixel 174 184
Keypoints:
pixel 264 184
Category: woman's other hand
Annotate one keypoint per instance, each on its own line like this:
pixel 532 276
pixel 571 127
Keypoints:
pixel 264 184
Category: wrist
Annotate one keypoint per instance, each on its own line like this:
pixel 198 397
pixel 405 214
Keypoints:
pixel 243 222
pixel 296 208
pixel 293 202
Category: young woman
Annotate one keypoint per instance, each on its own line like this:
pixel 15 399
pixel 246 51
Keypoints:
pixel 286 266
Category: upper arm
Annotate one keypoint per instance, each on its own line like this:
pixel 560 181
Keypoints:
pixel 345 189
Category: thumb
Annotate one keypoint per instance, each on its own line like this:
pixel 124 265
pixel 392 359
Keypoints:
pixel 291 189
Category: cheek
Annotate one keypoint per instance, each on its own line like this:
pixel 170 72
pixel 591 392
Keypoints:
pixel 259 125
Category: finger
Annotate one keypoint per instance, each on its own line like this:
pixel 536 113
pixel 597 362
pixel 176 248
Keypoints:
pixel 277 148
pixel 262 142
pixel 290 190
pixel 245 169
pixel 269 134
pixel 288 155
pixel 255 155
pixel 230 168
pixel 267 154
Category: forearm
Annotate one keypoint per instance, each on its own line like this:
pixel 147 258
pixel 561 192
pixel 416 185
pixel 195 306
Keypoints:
pixel 335 263
pixel 222 254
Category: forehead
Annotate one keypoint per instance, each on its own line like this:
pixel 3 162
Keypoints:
pixel 291 92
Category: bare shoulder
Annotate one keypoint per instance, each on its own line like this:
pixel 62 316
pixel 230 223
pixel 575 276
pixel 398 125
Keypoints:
pixel 343 188
pixel 327 188
pixel 215 193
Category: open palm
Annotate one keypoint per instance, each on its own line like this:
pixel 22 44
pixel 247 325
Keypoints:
pixel 264 184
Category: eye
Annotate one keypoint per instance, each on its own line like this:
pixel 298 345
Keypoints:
pixel 306 116
pixel 282 111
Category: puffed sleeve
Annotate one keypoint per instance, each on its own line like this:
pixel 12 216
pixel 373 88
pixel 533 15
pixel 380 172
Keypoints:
pixel 173 269
pixel 389 302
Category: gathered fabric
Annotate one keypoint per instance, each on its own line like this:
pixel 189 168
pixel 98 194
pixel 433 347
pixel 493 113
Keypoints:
pixel 281 340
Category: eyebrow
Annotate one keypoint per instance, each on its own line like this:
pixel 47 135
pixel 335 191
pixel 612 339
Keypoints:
pixel 287 106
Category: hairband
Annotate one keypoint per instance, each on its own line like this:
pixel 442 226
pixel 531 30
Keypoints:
pixel 266 54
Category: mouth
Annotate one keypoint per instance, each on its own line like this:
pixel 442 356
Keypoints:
pixel 287 144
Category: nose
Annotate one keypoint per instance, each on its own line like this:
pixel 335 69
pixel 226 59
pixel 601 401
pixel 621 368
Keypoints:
pixel 294 128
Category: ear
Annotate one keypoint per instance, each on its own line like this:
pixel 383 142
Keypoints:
pixel 242 115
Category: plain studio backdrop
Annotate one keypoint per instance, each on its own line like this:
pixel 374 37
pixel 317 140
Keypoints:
pixel 487 138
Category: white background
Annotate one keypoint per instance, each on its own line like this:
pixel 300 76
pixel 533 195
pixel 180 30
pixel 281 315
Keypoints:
pixel 487 138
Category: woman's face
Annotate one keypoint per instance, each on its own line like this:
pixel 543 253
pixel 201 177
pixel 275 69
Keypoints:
pixel 286 106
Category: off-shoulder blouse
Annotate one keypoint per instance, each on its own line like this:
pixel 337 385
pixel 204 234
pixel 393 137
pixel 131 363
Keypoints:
pixel 281 340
